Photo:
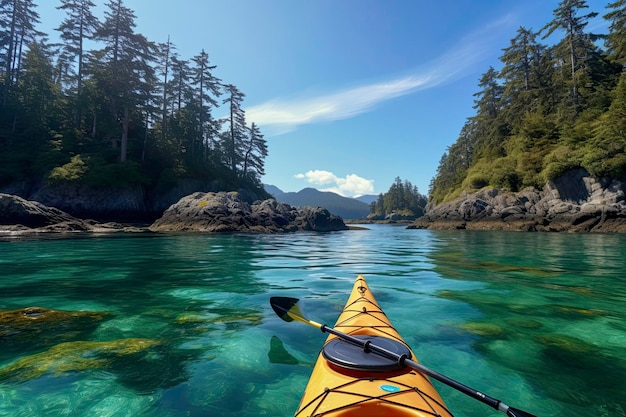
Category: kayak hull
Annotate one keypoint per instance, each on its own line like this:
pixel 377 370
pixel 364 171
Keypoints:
pixel 339 388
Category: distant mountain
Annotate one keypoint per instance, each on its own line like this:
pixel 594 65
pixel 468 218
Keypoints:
pixel 347 208
pixel 367 199
pixel 273 190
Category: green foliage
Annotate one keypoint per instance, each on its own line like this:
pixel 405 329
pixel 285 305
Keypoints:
pixel 71 172
pixel 102 174
pixel 609 162
pixel 126 112
pixel 169 177
pixel 504 174
pixel 402 198
pixel 476 180
pixel 560 160
pixel 549 110
pixel 96 171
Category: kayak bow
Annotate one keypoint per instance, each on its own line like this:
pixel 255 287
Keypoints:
pixel 364 374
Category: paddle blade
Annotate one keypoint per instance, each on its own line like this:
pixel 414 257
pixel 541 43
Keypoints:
pixel 514 412
pixel 287 308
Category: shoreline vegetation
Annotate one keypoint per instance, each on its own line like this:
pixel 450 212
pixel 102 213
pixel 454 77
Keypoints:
pixel 546 110
pixel 545 151
pixel 574 202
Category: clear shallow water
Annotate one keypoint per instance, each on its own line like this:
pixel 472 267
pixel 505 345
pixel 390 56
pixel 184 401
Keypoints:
pixel 536 320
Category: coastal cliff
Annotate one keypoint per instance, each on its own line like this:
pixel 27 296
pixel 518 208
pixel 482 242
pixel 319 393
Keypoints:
pixel 574 202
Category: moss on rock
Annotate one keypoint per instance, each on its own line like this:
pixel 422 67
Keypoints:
pixel 74 357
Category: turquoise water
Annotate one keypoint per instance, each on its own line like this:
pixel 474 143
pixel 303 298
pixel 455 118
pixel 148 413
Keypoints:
pixel 536 320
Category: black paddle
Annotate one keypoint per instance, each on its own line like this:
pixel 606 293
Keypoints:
pixel 287 309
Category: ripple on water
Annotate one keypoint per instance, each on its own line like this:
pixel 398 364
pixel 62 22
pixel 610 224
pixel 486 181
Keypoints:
pixel 532 319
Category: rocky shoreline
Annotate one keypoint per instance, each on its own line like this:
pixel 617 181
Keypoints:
pixel 228 212
pixel 197 212
pixel 575 202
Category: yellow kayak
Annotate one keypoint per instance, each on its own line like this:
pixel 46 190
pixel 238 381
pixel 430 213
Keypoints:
pixel 349 381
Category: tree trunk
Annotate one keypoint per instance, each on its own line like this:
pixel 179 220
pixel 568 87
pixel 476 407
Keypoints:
pixel 124 143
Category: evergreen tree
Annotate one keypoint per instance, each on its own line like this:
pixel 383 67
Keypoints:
pixel 523 75
pixel 606 154
pixel 18 19
pixel 180 84
pixel 577 46
pixel 237 127
pixel 167 123
pixel 207 90
pixel 488 101
pixel 487 121
pixel 79 26
pixel 616 39
pixel 402 198
pixel 127 57
pixel 37 91
pixel 255 152
pixel 166 52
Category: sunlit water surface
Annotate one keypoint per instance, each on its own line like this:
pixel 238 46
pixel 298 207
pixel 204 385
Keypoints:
pixel 536 320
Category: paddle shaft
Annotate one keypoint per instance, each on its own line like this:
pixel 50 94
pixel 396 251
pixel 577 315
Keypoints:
pixel 403 360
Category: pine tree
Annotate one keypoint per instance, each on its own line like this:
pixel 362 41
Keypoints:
pixel 606 153
pixel 402 197
pixel 577 46
pixel 522 73
pixel 489 124
pixel 208 89
pixel 255 152
pixel 18 19
pixel 489 98
pixel 237 127
pixel 38 93
pixel 166 53
pixel 127 57
pixel 80 25
pixel 616 40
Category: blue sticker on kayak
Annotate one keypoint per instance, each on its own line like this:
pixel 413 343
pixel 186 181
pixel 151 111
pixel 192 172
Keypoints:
pixel 390 388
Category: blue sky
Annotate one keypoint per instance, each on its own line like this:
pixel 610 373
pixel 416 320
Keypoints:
pixel 350 94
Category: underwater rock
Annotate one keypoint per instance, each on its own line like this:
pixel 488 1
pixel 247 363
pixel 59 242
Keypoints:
pixel 483 329
pixel 73 357
pixel 562 346
pixel 524 323
pixel 39 326
pixel 221 316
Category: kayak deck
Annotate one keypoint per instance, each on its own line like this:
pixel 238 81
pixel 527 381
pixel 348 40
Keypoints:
pixel 347 381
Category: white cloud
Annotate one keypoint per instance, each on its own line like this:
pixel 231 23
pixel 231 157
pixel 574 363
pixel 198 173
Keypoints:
pixel 351 185
pixel 281 116
pixel 285 115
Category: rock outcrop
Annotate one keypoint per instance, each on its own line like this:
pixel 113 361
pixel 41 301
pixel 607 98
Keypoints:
pixel 22 214
pixel 574 202
pixel 19 216
pixel 228 212
pixel 123 204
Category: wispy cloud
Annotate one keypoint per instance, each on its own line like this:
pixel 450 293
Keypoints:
pixel 351 185
pixel 282 116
